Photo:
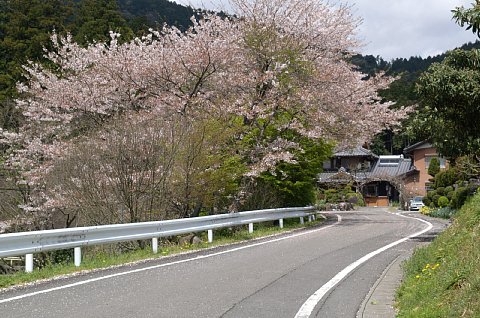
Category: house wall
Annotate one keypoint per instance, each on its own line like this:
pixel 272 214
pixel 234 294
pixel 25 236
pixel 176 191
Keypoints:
pixel 417 184
pixel 413 187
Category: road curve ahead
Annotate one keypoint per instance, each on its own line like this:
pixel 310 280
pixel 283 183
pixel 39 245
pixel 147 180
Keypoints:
pixel 268 278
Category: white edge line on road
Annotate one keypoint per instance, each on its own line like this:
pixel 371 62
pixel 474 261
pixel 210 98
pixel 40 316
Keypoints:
pixel 309 305
pixel 83 282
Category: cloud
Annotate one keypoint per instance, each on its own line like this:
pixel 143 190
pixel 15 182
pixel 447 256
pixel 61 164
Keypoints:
pixel 397 28
pixel 404 28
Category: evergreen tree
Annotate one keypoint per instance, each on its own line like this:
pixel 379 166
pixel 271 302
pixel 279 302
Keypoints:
pixel 94 20
pixel 25 28
pixel 434 167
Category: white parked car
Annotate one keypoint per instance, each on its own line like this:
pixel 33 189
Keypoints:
pixel 416 203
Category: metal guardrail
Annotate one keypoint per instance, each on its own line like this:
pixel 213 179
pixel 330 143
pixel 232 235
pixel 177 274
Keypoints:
pixel 27 243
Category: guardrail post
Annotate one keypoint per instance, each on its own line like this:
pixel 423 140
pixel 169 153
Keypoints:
pixel 210 236
pixel 155 245
pixel 280 223
pixel 310 218
pixel 77 256
pixel 302 221
pixel 29 263
pixel 250 227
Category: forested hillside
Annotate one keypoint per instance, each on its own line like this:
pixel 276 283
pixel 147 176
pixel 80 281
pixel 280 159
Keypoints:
pixel 154 13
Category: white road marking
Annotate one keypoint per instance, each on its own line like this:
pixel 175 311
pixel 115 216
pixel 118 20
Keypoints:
pixel 309 305
pixel 45 291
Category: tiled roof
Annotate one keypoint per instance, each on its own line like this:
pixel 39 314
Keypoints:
pixel 421 144
pixel 355 152
pixel 385 167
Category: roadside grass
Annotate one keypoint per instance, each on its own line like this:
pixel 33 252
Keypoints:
pixel 443 278
pixel 100 257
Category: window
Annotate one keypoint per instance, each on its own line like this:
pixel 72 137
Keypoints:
pixel 442 160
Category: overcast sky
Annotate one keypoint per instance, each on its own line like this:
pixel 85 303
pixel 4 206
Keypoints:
pixel 401 28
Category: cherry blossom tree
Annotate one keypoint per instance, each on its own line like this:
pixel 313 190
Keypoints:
pixel 279 68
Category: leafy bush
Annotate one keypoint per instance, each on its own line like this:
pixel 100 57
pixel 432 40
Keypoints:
pixel 449 189
pixel 321 205
pixel 425 210
pixel 444 213
pixel 446 178
pixel 442 201
pixel 345 194
pixel 440 190
pixel 355 198
pixel 435 199
pixel 426 200
pixel 331 195
pixel 450 194
pixel 459 197
pixel 434 167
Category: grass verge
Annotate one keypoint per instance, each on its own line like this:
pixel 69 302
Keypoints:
pixel 443 279
pixel 104 257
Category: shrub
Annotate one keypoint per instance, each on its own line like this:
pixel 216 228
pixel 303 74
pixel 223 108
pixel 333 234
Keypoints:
pixel 450 195
pixel 435 199
pixel 434 167
pixel 459 197
pixel 426 201
pixel 442 201
pixel 321 205
pixel 440 190
pixel 444 213
pixel 425 210
pixel 331 196
pixel 449 189
pixel 446 178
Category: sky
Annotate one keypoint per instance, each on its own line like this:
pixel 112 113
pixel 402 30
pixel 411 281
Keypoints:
pixel 399 28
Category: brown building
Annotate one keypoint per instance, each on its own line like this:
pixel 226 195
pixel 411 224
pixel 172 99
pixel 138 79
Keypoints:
pixel 421 153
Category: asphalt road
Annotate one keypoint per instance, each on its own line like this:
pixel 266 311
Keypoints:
pixel 267 278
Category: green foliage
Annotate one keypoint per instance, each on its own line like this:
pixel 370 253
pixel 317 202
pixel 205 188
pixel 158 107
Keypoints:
pixel 427 201
pixel 343 194
pixel 442 201
pixel 467 167
pixel 443 278
pixel 446 178
pixel 331 196
pixel 144 14
pixel 469 17
pixel 444 213
pixel 94 19
pixel 434 166
pixel 294 183
pixel 461 195
pixel 440 190
pixel 25 27
pixel 450 92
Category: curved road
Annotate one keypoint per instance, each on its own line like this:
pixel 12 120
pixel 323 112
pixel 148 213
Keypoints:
pixel 267 278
